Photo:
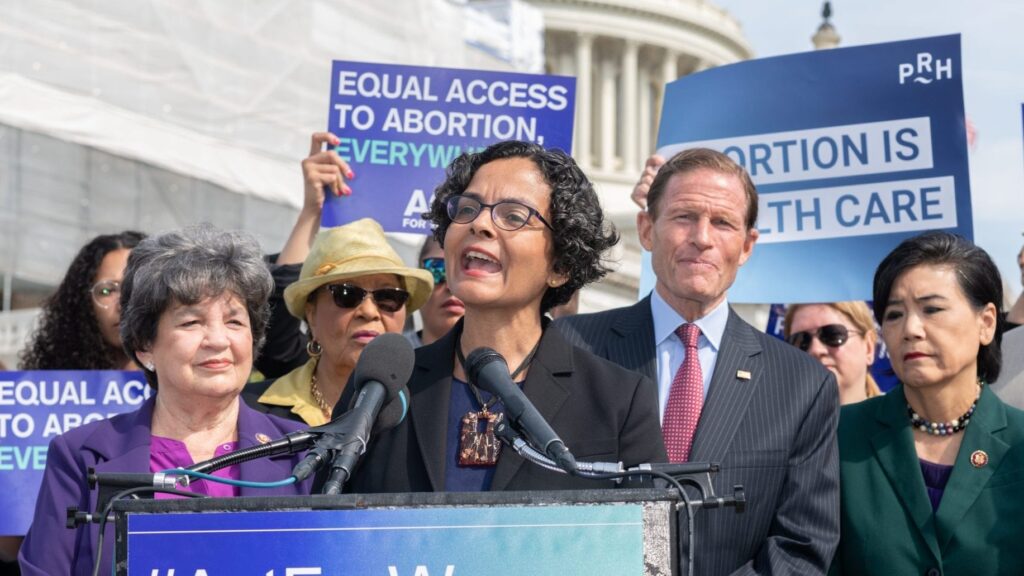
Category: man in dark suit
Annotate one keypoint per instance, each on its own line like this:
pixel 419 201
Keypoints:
pixel 764 410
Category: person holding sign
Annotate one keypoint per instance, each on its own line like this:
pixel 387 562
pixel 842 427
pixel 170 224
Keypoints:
pixel 931 472
pixel 840 335
pixel 522 230
pixel 194 311
pixel 352 287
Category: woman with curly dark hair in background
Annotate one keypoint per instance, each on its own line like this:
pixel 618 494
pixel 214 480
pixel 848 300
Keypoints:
pixel 522 230
pixel 78 328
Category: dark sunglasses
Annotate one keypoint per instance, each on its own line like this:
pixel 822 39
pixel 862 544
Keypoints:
pixel 831 335
pixel 436 267
pixel 386 299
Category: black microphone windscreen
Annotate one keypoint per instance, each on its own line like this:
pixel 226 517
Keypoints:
pixel 387 359
pixel 476 361
pixel 393 412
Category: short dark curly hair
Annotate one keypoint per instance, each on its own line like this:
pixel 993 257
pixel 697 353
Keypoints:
pixel 581 234
pixel 976 273
pixel 67 336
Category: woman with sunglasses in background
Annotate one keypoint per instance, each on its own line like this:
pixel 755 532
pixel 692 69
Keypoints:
pixel 352 287
pixel 78 327
pixel 442 310
pixel 522 230
pixel 842 336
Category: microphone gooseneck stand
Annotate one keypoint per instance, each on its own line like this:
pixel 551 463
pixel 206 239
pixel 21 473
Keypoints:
pixel 695 474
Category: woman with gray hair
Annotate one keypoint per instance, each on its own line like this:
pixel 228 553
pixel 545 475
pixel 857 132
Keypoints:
pixel 194 311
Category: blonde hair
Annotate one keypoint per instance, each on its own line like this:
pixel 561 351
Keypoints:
pixel 858 313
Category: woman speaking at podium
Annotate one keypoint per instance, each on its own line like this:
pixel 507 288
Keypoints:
pixel 522 230
pixel 194 312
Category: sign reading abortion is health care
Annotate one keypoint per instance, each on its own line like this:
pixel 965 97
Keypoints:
pixel 400 127
pixel 852 151
pixel 35 406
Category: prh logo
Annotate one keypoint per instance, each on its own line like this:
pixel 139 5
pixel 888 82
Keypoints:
pixel 926 70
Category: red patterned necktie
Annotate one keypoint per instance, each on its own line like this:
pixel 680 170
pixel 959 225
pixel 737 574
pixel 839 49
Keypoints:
pixel 685 399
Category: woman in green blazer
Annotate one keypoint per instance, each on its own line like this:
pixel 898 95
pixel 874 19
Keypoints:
pixel 932 474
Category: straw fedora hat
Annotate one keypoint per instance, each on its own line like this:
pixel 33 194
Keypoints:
pixel 350 251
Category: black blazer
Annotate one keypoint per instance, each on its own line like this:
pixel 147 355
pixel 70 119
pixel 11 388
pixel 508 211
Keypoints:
pixel 601 411
pixel 770 419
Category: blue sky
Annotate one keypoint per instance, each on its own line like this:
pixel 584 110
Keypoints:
pixel 993 61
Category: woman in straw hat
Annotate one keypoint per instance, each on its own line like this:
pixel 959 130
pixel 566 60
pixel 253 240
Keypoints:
pixel 353 286
pixel 522 230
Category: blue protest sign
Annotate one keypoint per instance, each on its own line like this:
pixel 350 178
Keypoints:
pixel 852 151
pixel 35 406
pixel 400 126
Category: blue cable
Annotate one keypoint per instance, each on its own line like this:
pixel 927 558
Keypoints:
pixel 278 484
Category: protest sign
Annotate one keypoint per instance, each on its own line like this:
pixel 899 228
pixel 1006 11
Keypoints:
pixel 35 406
pixel 400 126
pixel 852 151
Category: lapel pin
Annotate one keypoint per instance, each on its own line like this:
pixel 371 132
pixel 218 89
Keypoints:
pixel 743 374
pixel 262 438
pixel 979 458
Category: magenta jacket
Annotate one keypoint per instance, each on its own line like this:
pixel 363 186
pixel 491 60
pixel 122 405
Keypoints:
pixel 121 444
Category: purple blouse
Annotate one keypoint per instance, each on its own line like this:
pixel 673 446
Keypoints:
pixel 935 478
pixel 166 453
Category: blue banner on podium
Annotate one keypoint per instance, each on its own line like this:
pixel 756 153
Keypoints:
pixel 483 541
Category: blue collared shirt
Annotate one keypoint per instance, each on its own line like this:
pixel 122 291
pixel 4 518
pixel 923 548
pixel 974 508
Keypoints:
pixel 671 352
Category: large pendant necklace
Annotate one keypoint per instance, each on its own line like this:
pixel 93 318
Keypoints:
pixel 481 447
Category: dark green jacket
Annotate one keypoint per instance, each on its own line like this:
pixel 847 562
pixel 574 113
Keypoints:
pixel 888 526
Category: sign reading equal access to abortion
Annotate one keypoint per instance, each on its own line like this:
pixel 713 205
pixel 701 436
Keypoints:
pixel 852 150
pixel 35 406
pixel 400 127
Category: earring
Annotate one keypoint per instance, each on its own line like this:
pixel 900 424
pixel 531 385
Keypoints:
pixel 313 348
pixel 150 366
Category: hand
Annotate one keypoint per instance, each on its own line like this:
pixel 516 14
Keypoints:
pixel 651 167
pixel 324 169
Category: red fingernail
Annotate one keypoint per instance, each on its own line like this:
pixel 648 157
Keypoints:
pixel 347 190
pixel 350 175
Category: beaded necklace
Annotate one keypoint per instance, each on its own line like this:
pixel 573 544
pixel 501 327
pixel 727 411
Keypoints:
pixel 942 428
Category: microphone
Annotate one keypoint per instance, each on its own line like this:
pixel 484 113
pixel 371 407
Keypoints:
pixel 381 402
pixel 131 479
pixel 488 370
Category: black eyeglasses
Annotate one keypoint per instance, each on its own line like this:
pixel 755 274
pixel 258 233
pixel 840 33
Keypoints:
pixel 436 267
pixel 831 335
pixel 507 214
pixel 387 299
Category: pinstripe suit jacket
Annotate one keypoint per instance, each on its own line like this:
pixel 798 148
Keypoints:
pixel 774 433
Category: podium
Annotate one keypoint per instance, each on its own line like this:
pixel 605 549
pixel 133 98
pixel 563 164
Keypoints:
pixel 592 532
